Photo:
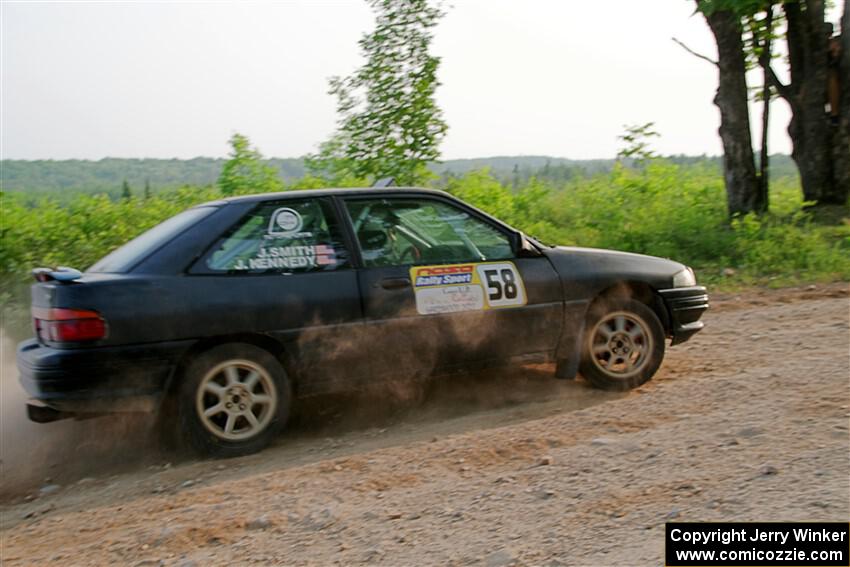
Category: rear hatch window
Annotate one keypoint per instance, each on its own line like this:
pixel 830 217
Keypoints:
pixel 124 258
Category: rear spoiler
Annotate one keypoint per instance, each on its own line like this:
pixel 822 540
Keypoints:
pixel 58 274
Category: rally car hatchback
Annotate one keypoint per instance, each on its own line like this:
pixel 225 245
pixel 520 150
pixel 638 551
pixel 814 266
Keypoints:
pixel 236 308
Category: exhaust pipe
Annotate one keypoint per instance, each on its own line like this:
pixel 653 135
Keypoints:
pixel 43 414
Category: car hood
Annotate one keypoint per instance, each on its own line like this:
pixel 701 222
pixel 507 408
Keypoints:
pixel 599 268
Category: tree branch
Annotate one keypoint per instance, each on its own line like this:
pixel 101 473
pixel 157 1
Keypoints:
pixel 783 90
pixel 694 53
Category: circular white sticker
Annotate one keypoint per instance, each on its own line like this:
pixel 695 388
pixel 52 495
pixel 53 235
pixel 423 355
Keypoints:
pixel 285 222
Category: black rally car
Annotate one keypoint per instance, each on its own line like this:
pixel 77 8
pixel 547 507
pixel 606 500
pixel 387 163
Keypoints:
pixel 236 307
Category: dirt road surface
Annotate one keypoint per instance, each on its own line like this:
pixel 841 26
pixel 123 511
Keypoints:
pixel 748 421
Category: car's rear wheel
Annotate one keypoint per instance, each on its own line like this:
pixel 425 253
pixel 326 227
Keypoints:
pixel 233 400
pixel 623 345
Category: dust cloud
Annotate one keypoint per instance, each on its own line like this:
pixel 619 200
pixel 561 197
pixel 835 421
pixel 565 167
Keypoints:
pixel 33 455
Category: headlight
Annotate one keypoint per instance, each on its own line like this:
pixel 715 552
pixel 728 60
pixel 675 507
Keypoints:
pixel 685 278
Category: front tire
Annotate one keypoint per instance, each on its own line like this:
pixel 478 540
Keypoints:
pixel 233 400
pixel 623 345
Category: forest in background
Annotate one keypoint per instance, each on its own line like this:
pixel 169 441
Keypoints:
pixel 62 179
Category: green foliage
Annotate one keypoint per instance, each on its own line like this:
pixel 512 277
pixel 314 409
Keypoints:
pixel 674 211
pixel 78 234
pixel 740 8
pixel 786 247
pixel 389 122
pixel 663 209
pixel 245 171
pixel 636 139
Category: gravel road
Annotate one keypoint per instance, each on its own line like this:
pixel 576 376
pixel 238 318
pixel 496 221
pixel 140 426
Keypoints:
pixel 748 421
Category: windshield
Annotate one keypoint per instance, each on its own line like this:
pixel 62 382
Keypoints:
pixel 124 258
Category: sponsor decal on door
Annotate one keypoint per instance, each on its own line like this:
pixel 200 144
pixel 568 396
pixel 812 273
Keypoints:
pixel 453 288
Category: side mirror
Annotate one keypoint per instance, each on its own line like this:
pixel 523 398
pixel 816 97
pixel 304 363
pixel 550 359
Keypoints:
pixel 525 249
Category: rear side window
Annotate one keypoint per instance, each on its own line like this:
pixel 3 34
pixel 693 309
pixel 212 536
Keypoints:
pixel 280 237
pixel 123 259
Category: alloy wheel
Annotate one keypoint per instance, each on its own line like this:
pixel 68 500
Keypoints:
pixel 236 400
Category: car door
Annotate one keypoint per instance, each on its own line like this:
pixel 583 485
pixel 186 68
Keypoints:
pixel 442 286
pixel 284 270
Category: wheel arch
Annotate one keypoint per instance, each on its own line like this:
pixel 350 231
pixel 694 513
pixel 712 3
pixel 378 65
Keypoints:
pixel 638 291
pixel 568 354
pixel 259 340
pixel 644 300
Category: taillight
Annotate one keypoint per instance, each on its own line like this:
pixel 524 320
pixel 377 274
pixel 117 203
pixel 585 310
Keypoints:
pixel 68 325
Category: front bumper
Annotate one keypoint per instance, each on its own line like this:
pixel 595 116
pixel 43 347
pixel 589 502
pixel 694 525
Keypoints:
pixel 685 306
pixel 98 379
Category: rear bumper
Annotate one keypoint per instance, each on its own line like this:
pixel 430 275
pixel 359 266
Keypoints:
pixel 98 379
pixel 685 306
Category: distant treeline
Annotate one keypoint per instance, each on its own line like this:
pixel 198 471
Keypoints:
pixel 58 177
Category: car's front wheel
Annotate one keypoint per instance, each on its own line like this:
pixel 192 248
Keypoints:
pixel 623 345
pixel 233 400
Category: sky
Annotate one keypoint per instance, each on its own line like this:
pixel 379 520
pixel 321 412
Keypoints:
pixel 89 80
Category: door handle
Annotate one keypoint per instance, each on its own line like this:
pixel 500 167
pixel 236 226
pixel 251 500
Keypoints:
pixel 395 283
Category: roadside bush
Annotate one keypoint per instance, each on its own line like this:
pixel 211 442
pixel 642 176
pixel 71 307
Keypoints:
pixel 660 208
pixel 79 233
pixel 679 212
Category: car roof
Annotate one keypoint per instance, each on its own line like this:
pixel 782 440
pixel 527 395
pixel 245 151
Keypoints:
pixel 302 193
pixel 350 191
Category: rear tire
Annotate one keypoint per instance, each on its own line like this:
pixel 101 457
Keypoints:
pixel 233 400
pixel 623 345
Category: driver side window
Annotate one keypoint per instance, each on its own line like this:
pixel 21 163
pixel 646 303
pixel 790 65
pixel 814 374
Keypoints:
pixel 399 232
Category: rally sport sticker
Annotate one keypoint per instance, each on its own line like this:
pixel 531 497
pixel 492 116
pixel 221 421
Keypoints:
pixel 466 287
